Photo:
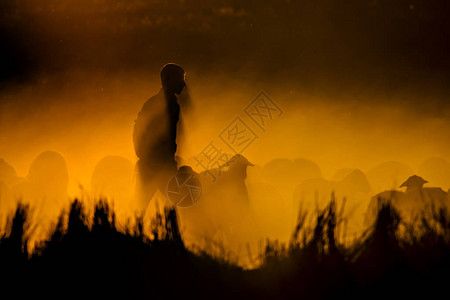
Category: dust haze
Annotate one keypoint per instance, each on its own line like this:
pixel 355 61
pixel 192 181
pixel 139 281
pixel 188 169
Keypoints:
pixel 362 86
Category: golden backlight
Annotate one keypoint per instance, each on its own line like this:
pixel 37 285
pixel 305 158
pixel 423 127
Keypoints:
pixel 66 125
pixel 88 120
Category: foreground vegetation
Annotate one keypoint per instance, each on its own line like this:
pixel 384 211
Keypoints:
pixel 93 257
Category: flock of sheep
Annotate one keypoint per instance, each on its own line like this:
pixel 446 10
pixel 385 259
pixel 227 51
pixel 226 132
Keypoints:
pixel 242 203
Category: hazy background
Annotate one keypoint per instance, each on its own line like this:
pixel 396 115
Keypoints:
pixel 360 82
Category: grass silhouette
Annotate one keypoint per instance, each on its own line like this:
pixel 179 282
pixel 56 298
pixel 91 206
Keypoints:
pixel 92 257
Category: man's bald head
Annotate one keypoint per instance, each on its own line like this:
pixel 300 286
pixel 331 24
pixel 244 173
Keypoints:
pixel 172 78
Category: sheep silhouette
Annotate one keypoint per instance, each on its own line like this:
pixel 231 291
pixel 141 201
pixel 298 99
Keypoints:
pixel 270 212
pixel 419 199
pixel 45 188
pixel 224 207
pixel 341 174
pixel 46 182
pixel 7 201
pixel 286 174
pixel 317 191
pixel 268 207
pixel 8 178
pixel 376 202
pixel 416 202
pixel 314 195
pixel 7 173
pixel 228 180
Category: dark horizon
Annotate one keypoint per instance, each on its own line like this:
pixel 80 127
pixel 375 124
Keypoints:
pixel 360 45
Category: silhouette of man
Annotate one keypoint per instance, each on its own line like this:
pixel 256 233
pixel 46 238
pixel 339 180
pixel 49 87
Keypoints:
pixel 155 133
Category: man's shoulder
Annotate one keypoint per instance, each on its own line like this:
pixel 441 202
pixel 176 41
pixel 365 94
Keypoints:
pixel 154 101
